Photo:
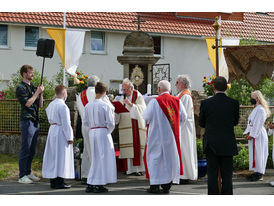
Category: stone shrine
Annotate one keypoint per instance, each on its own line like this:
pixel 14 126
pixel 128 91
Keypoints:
pixel 138 58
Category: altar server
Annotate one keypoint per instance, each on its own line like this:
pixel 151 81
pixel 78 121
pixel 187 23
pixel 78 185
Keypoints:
pixel 99 118
pixel 257 136
pixel 58 161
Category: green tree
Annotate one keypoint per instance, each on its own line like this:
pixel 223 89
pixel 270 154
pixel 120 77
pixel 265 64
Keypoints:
pixel 16 79
pixel 58 77
pixel 242 91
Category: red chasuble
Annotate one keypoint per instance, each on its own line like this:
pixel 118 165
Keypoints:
pixel 170 105
pixel 84 98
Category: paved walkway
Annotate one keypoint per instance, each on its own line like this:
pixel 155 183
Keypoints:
pixel 132 185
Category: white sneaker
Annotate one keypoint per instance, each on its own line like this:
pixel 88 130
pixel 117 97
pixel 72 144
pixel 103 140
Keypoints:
pixel 272 183
pixel 33 177
pixel 25 180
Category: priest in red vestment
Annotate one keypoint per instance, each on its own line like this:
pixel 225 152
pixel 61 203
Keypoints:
pixel 163 161
pixel 132 128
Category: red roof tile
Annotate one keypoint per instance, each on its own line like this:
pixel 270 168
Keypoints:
pixel 260 27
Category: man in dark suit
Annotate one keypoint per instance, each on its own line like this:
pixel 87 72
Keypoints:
pixel 218 115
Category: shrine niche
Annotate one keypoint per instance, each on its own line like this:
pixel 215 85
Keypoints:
pixel 252 63
pixel 138 58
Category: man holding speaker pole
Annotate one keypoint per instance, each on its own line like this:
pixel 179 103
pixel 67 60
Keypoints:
pixel 30 98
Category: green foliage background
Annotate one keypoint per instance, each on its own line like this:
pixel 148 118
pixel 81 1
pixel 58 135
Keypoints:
pixel 242 92
pixel 17 78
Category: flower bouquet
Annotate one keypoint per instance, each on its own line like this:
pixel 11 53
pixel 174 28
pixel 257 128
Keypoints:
pixel 80 81
pixel 208 85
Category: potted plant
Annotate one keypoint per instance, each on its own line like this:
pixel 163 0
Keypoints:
pixel 202 164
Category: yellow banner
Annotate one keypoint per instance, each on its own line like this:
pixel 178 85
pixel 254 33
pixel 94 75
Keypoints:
pixel 210 41
pixel 59 36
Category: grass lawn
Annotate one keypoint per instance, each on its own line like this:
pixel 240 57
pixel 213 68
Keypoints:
pixel 9 168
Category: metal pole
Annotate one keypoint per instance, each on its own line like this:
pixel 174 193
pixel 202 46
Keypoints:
pixel 41 82
pixel 217 55
pixel 64 76
pixel 217 26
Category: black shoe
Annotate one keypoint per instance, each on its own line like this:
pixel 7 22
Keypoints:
pixel 154 189
pixel 100 189
pixel 90 188
pixel 256 177
pixel 249 177
pixel 184 181
pixel 62 186
pixel 138 174
pixel 166 191
pixel 84 181
pixel 52 183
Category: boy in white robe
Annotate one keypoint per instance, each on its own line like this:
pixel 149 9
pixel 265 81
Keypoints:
pixel 99 118
pixel 58 161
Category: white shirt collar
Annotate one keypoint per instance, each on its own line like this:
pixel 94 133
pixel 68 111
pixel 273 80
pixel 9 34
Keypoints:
pixel 164 93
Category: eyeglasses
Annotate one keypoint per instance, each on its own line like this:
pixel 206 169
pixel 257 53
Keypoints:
pixel 126 89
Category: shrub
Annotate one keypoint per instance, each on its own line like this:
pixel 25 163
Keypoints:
pixel 270 163
pixel 17 78
pixel 200 153
pixel 241 161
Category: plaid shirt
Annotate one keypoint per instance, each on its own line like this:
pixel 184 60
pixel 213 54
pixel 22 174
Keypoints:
pixel 23 93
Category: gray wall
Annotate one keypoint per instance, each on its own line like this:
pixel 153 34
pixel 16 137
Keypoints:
pixel 10 144
pixel 188 56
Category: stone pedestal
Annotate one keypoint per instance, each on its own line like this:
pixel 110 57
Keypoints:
pixel 138 58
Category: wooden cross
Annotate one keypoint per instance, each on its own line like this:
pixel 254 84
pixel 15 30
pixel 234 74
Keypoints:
pixel 138 21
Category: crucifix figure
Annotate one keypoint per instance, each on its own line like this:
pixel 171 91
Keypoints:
pixel 138 21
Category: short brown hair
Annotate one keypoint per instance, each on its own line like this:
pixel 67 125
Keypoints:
pixel 220 83
pixel 59 89
pixel 25 68
pixel 100 88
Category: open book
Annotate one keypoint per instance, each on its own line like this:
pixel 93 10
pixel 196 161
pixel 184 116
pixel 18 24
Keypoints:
pixel 119 108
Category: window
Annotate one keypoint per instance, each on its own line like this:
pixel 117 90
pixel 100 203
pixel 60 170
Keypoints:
pixel 157 45
pixel 97 41
pixel 31 36
pixel 3 35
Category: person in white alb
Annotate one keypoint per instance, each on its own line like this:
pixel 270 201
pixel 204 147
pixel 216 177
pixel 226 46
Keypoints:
pixel 188 132
pixel 58 161
pixel 86 96
pixel 164 116
pixel 99 118
pixel 132 129
pixel 257 136
pixel 82 100
pixel 271 132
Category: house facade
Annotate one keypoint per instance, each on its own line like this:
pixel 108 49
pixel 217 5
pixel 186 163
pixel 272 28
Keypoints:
pixel 179 40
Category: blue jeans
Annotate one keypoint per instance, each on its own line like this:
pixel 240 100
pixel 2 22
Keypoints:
pixel 29 134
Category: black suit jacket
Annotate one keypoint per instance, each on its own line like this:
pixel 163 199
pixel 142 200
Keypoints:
pixel 218 115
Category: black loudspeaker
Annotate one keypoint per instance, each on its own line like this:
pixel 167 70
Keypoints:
pixel 45 48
